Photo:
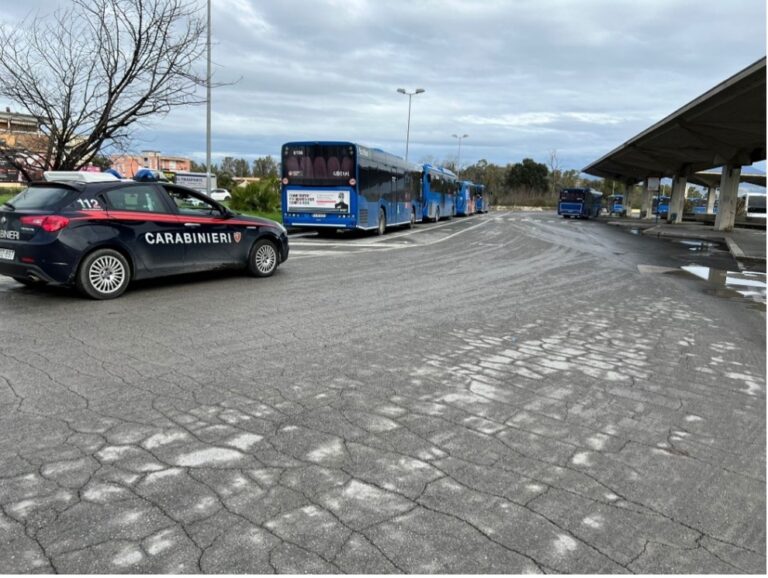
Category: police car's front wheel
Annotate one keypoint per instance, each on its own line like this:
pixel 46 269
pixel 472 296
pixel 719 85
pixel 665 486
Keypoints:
pixel 104 274
pixel 264 259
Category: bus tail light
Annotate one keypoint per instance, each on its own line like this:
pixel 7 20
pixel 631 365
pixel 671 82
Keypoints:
pixel 352 182
pixel 285 181
pixel 49 223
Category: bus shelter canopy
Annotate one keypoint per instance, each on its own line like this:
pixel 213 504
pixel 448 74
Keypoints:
pixel 712 178
pixel 724 125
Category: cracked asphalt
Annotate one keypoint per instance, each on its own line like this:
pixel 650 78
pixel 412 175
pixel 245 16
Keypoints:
pixel 506 393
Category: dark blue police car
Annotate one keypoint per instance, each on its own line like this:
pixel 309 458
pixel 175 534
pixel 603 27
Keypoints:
pixel 99 233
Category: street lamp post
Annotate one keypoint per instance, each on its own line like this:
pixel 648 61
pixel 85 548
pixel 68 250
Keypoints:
pixel 458 166
pixel 208 104
pixel 408 131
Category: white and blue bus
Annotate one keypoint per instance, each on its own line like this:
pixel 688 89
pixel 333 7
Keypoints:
pixel 341 185
pixel 439 189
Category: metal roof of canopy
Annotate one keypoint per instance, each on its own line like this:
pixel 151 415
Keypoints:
pixel 725 124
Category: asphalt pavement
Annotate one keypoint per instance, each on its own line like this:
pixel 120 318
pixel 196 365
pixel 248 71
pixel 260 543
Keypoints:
pixel 503 393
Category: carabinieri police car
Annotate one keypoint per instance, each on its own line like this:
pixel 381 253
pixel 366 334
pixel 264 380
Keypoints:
pixel 98 233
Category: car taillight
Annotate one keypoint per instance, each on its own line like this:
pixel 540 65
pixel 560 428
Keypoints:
pixel 49 223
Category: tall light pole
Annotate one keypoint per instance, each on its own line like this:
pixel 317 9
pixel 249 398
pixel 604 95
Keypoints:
pixel 408 132
pixel 208 108
pixel 458 167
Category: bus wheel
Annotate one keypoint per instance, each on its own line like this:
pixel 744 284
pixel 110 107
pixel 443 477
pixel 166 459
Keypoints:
pixel 382 228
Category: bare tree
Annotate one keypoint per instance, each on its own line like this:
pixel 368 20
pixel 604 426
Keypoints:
pixel 94 70
pixel 554 171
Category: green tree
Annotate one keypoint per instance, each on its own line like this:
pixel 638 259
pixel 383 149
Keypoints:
pixel 197 167
pixel 264 167
pixel 242 168
pixel 528 176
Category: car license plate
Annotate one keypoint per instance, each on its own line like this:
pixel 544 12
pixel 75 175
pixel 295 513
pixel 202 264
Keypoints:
pixel 7 254
pixel 318 215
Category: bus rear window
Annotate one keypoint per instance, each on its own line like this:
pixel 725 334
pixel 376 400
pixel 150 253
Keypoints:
pixel 319 165
pixel 41 198
pixel 572 195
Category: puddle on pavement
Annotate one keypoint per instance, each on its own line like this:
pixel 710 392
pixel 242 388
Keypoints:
pixel 748 285
pixel 702 246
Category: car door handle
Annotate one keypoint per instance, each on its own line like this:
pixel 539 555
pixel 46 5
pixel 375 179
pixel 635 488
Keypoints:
pixel 191 224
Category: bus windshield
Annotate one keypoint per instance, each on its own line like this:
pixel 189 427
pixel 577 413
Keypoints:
pixel 318 165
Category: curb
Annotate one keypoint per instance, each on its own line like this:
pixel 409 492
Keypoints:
pixel 738 254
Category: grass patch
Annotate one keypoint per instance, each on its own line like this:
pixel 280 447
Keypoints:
pixel 273 215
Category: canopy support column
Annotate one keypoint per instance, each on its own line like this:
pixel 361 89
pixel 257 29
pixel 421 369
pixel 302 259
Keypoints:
pixel 711 197
pixel 627 201
pixel 646 211
pixel 729 191
pixel 677 201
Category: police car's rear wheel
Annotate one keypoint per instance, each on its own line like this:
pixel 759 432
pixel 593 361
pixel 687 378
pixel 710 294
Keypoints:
pixel 104 274
pixel 264 259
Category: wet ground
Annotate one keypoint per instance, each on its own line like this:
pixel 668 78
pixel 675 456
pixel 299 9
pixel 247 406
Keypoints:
pixel 504 393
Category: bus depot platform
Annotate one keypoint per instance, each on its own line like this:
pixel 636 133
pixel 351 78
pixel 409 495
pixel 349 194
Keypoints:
pixel 746 245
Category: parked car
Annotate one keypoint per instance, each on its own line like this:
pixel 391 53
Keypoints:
pixel 221 195
pixel 98 233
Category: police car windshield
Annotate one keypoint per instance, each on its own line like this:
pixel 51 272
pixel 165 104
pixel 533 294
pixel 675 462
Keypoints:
pixel 36 198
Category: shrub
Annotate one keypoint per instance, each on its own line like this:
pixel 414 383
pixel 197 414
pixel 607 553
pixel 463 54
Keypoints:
pixel 262 197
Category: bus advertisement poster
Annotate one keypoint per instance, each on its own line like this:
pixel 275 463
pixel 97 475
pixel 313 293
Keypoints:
pixel 321 201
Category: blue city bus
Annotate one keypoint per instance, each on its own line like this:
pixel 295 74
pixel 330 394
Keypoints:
pixel 661 206
pixel 697 206
pixel 342 185
pixel 579 203
pixel 616 205
pixel 466 198
pixel 439 189
pixel 482 200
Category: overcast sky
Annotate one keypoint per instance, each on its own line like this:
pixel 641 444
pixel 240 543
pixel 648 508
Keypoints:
pixel 520 77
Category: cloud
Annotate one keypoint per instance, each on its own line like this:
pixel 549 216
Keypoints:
pixel 521 78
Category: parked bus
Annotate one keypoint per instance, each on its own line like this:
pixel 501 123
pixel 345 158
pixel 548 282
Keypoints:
pixel 615 205
pixel 580 202
pixel 695 206
pixel 342 185
pixel 466 198
pixel 439 189
pixel 482 200
pixel 754 204
pixel 661 206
